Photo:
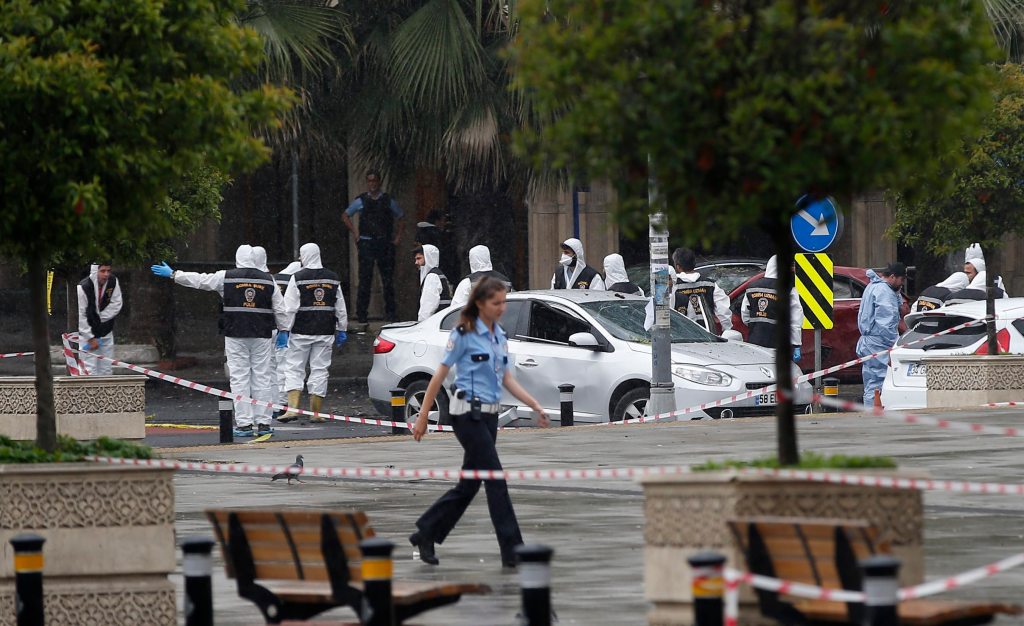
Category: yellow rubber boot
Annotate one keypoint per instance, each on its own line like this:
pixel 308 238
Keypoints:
pixel 293 403
pixel 315 404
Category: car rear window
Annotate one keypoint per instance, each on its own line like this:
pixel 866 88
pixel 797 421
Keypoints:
pixel 931 324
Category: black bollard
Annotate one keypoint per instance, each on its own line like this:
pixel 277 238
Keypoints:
pixel 398 411
pixel 565 397
pixel 830 389
pixel 535 582
pixel 708 587
pixel 377 571
pixel 28 579
pixel 197 566
pixel 881 588
pixel 227 418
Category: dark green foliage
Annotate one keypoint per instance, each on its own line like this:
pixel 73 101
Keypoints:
pixel 70 451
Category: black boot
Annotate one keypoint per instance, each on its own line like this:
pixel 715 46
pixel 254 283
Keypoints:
pixel 426 548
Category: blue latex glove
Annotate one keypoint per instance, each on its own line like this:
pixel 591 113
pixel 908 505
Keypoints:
pixel 282 339
pixel 796 354
pixel 163 270
pixel 340 339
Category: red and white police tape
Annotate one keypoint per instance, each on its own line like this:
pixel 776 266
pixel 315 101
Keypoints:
pixel 75 365
pixel 909 418
pixel 734 578
pixel 11 355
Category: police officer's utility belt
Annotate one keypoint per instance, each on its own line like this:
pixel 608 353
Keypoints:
pixel 460 404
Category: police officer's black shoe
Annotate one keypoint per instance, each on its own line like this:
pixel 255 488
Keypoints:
pixel 426 548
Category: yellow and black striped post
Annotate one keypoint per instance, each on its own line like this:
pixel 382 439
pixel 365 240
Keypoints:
pixel 28 579
pixel 708 588
pixel 398 411
pixel 377 571
pixel 815 287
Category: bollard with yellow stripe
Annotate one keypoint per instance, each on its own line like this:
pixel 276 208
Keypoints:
pixel 28 579
pixel 377 569
pixel 814 285
pixel 398 411
pixel 708 587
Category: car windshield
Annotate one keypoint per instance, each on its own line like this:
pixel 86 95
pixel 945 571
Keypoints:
pixel 624 319
pixel 931 324
pixel 730 277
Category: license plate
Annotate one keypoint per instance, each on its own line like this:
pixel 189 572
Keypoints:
pixel 765 399
pixel 917 369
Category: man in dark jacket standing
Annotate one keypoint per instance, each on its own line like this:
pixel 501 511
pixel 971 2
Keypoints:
pixel 380 228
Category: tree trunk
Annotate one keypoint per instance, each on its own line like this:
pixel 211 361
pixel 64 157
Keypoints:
pixel 785 424
pixel 992 275
pixel 46 419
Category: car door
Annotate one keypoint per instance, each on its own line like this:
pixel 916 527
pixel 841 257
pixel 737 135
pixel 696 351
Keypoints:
pixel 543 360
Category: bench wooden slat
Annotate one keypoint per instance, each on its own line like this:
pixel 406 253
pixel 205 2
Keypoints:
pixel 921 612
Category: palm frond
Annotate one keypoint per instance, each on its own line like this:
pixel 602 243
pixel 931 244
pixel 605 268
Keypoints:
pixel 1007 19
pixel 298 36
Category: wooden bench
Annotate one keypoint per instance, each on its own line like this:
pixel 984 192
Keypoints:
pixel 826 553
pixel 297 564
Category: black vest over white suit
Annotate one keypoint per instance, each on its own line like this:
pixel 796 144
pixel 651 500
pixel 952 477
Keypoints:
pixel 446 289
pixel 318 295
pixel 932 298
pixel 971 295
pixel 92 315
pixel 376 220
pixel 583 281
pixel 248 303
pixel 475 276
pixel 626 287
pixel 763 304
pixel 697 298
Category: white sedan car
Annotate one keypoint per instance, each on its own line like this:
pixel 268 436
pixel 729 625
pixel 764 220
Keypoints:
pixel 905 380
pixel 594 340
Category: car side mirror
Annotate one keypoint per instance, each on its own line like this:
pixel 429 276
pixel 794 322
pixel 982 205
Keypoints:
pixel 732 335
pixel 584 340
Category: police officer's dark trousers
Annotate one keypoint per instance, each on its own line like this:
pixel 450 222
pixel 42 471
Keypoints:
pixel 382 253
pixel 477 439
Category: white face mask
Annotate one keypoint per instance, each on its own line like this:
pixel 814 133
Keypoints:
pixel 566 260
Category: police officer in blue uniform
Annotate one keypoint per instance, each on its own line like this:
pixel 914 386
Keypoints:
pixel 478 350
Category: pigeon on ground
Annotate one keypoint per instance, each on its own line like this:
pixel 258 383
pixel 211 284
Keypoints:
pixel 293 471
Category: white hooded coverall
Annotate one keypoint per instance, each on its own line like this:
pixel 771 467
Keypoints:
pixel 248 358
pixel 479 261
pixel 93 365
pixel 615 272
pixel 279 367
pixel 597 284
pixel 431 286
pixel 796 312
pixel 312 349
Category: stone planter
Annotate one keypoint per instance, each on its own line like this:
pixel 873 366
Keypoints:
pixel 971 380
pixel 88 407
pixel 687 514
pixel 109 541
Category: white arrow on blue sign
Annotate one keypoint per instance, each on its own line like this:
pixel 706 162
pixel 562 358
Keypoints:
pixel 816 224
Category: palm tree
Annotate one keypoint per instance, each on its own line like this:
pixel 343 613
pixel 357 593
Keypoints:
pixel 1007 17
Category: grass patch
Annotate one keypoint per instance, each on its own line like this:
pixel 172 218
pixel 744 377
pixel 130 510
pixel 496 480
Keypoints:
pixel 808 461
pixel 70 451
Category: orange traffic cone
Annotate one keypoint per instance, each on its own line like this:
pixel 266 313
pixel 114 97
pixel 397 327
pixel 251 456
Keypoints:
pixel 878 399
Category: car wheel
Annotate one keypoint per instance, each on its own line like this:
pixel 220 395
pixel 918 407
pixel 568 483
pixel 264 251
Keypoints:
pixel 632 404
pixel 414 394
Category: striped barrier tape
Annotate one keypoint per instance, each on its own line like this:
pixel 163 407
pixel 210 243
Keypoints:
pixel 12 355
pixel 734 578
pixel 731 610
pixel 893 482
pixel 74 363
pixel 910 418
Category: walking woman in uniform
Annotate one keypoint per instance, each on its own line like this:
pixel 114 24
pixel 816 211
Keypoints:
pixel 478 350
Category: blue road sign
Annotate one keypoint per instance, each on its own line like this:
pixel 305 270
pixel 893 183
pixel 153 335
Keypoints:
pixel 816 224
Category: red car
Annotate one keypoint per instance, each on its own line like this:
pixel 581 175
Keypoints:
pixel 839 344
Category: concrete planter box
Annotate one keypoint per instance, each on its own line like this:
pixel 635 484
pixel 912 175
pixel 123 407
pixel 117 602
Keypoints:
pixel 972 380
pixel 688 514
pixel 109 541
pixel 88 407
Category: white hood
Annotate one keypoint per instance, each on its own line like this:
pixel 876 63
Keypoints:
pixel 979 265
pixel 479 259
pixel 309 256
pixel 615 270
pixel 974 252
pixel 259 258
pixel 979 280
pixel 955 282
pixel 772 269
pixel 581 261
pixel 243 257
pixel 431 257
pixel 292 267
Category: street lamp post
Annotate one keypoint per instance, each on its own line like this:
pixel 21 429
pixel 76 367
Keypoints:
pixel 663 399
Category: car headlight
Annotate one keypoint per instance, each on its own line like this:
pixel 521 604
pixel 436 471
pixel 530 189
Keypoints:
pixel 702 375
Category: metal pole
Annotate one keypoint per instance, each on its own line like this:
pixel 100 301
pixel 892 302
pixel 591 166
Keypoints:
pixel 817 359
pixel 28 579
pixel 398 411
pixel 535 582
pixel 227 410
pixel 575 211
pixel 708 587
pixel 881 590
pixel 663 398
pixel 295 204
pixel 377 570
pixel 565 399
pixel 197 566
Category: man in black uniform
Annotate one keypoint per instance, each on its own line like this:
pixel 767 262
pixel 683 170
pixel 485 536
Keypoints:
pixel 573 271
pixel 760 310
pixel 698 297
pixel 380 228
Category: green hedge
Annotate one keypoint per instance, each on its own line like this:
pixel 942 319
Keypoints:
pixel 808 460
pixel 70 451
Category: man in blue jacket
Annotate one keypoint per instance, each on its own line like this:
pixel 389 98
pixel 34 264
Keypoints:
pixel 878 321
